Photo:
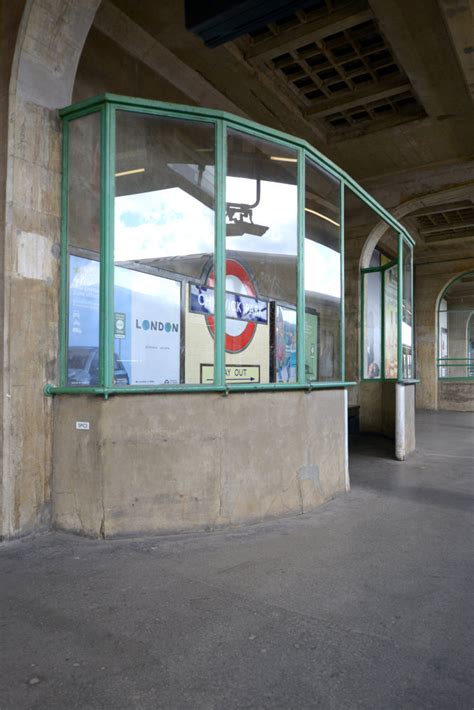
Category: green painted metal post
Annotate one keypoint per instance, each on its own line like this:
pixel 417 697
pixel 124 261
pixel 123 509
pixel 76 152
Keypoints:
pixel 343 295
pixel 400 308
pixel 362 324
pixel 300 298
pixel 107 196
pixel 220 254
pixel 382 306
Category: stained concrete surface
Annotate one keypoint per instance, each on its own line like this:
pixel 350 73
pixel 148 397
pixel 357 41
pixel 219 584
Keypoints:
pixel 367 602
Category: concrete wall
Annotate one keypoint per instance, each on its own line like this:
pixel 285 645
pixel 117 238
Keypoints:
pixel 377 408
pixel 155 463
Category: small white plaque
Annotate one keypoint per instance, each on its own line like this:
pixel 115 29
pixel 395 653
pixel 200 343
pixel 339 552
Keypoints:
pixel 83 425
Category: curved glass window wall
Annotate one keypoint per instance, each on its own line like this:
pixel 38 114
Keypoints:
pixel 199 251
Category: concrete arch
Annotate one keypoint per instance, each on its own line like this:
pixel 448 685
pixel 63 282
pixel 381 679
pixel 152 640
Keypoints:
pixel 407 208
pixel 48 46
pixel 450 282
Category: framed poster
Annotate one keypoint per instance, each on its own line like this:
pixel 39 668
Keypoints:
pixel 282 343
pixel 311 345
pixel 391 322
pixel 283 361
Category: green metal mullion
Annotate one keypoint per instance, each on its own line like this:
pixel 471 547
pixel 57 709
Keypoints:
pixel 64 273
pixel 382 299
pixel 362 326
pixel 412 294
pixel 400 307
pixel 107 193
pixel 342 349
pixel 300 299
pixel 383 267
pixel 220 254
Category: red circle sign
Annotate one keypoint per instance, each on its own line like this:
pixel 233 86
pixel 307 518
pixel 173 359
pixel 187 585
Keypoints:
pixel 236 342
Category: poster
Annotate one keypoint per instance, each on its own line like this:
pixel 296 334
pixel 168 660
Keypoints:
pixel 152 344
pixel 391 322
pixel 443 351
pixel 311 346
pixel 284 344
pixel 147 326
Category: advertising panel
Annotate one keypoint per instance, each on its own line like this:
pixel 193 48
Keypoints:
pixel 391 322
pixel 147 327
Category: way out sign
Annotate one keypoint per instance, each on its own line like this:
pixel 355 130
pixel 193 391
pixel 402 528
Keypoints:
pixel 234 374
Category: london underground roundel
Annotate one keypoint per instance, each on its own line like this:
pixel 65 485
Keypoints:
pixel 238 333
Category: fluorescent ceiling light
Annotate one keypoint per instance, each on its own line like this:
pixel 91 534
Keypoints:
pixel 323 216
pixel 284 160
pixel 130 172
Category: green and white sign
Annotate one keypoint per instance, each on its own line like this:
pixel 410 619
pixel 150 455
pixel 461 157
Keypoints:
pixel 120 325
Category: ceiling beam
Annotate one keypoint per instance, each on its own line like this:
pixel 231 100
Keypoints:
pixel 368 95
pixel 448 237
pixel 427 231
pixel 454 207
pixel 138 43
pixel 286 41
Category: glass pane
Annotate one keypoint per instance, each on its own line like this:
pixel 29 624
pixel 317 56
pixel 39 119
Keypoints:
pixel 407 313
pixel 164 250
pixel 391 321
pixel 261 284
pixel 322 275
pixel 83 251
pixel 373 325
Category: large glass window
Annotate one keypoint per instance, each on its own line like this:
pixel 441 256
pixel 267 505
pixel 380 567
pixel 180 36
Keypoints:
pixel 456 329
pixel 322 275
pixel 199 250
pixel 164 249
pixel 261 260
pixel 83 260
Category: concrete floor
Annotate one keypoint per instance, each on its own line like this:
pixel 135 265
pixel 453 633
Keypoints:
pixel 365 603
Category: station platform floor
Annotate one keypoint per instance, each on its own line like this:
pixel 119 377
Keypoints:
pixel 365 603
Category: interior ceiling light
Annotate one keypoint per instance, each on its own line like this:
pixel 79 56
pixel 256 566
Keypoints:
pixel 284 160
pixel 323 216
pixel 130 172
pixel 240 218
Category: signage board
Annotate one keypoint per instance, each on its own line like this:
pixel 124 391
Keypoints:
pixel 120 320
pixel 237 306
pixel 234 374
pixel 238 332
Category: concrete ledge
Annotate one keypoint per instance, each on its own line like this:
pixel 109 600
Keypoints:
pixel 163 463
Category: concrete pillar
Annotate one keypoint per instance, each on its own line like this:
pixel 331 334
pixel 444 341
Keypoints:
pixel 49 42
pixel 405 441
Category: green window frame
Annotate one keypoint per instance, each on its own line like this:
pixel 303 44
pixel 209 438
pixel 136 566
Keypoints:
pixel 403 240
pixel 107 105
